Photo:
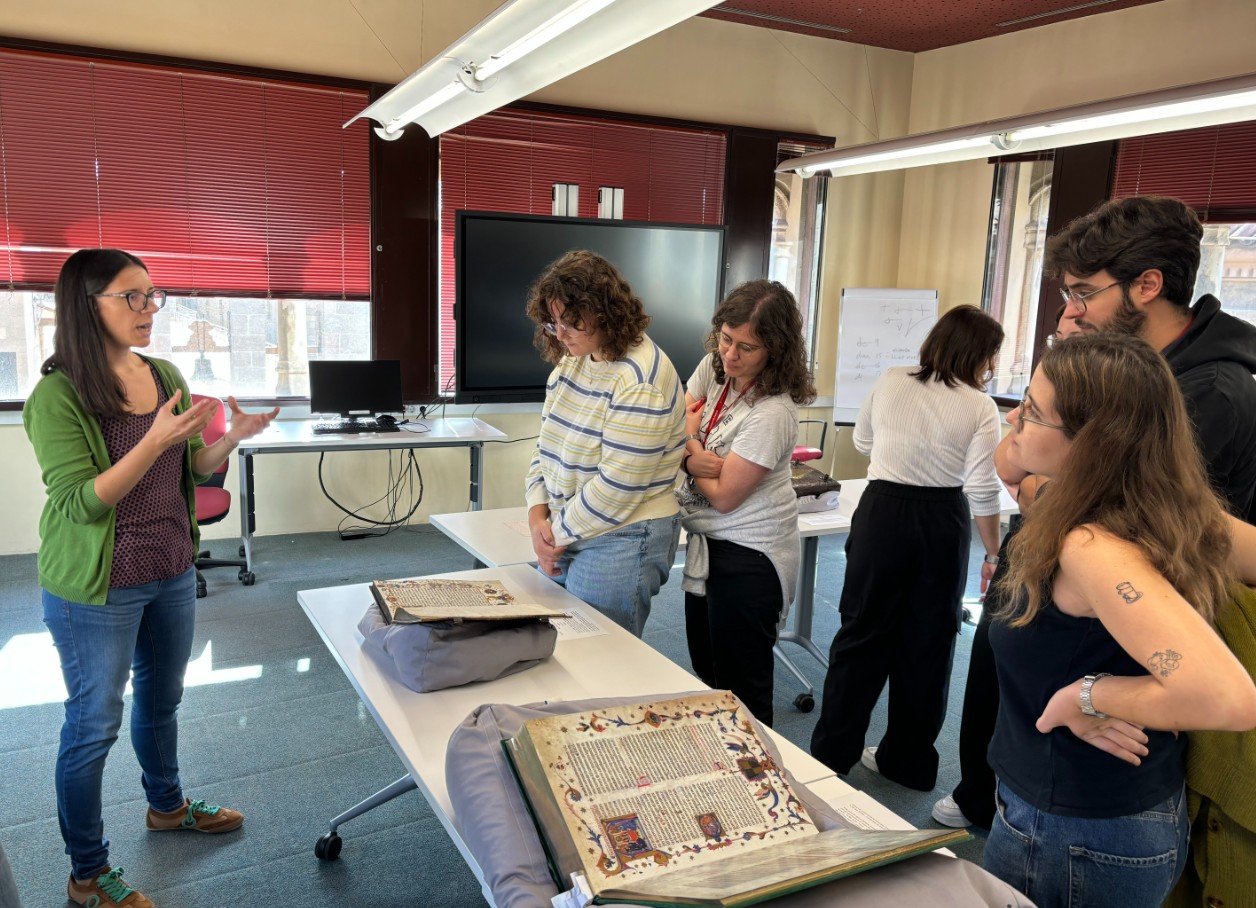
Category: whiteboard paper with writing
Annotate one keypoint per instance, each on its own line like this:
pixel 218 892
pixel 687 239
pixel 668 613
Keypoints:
pixel 879 329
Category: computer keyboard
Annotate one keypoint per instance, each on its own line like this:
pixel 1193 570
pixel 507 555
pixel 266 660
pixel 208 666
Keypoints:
pixel 352 427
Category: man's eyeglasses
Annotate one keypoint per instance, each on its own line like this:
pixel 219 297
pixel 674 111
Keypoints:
pixel 1022 417
pixel 1079 299
pixel 138 300
pixel 557 328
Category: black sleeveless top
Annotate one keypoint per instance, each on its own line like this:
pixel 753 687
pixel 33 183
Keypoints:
pixel 1059 772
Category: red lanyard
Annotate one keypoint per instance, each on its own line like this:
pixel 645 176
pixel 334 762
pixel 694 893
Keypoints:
pixel 719 407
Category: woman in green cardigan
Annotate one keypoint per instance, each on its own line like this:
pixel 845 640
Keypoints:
pixel 119 445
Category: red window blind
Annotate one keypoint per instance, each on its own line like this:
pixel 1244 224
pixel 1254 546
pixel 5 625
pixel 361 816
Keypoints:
pixel 225 186
pixel 509 160
pixel 1212 169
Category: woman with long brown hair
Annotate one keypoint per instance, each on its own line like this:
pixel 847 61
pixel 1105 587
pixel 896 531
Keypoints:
pixel 1107 652
pixel 740 509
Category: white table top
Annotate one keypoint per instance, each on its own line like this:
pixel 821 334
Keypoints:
pixel 289 435
pixel 418 726
pixel 500 535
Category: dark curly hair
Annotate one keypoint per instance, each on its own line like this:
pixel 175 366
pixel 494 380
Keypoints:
pixel 594 296
pixel 772 314
pixel 1126 237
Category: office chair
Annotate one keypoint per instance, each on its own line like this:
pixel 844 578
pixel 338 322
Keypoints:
pixel 806 452
pixel 212 504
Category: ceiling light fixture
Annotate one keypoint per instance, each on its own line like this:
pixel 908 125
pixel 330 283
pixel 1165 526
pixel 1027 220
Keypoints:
pixel 1168 110
pixel 522 47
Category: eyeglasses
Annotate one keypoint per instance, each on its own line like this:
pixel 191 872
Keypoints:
pixel 744 349
pixel 1079 299
pixel 1021 418
pixel 557 328
pixel 138 300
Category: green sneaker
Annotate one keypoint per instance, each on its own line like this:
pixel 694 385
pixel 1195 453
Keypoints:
pixel 106 890
pixel 196 816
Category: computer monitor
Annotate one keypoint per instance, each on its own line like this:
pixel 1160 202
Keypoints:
pixel 352 388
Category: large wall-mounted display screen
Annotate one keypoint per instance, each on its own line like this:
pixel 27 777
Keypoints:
pixel 676 270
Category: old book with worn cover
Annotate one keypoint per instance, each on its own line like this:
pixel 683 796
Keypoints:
pixel 423 600
pixel 678 802
pixel 808 481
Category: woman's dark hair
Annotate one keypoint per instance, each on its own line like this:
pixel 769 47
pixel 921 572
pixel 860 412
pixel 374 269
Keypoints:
pixel 78 344
pixel 594 296
pixel 1133 469
pixel 1126 237
pixel 772 314
pixel 960 348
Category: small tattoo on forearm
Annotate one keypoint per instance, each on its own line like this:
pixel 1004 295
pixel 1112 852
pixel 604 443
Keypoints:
pixel 1165 662
pixel 1127 592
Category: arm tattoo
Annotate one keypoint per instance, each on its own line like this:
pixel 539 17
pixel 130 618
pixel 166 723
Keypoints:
pixel 1165 662
pixel 1126 591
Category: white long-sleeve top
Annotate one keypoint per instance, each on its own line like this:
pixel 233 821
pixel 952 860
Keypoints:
pixel 926 434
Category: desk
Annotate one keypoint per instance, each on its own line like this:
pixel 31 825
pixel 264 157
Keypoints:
pixel 297 436
pixel 418 726
pixel 500 537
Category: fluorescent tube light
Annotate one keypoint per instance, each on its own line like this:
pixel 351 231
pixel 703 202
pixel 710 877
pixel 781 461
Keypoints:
pixel 543 34
pixel 523 46
pixel 1213 103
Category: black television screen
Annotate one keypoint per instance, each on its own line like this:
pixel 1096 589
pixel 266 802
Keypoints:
pixel 676 270
pixel 355 387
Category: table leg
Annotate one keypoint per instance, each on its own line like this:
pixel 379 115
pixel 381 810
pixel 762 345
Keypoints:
pixel 477 475
pixel 248 521
pixel 805 602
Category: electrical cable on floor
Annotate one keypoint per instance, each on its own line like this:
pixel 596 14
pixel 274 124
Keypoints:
pixel 400 485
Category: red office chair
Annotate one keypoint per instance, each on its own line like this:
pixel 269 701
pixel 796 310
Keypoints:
pixel 212 504
pixel 805 452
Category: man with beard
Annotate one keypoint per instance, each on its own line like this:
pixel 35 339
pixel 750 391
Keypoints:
pixel 1129 267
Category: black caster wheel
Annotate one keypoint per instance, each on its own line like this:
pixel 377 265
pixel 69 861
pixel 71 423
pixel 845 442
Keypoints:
pixel 241 551
pixel 805 703
pixel 201 590
pixel 248 578
pixel 327 848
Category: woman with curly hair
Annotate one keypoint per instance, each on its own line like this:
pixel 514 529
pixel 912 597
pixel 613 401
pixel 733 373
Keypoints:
pixel 1106 651
pixel 740 509
pixel 930 432
pixel 603 520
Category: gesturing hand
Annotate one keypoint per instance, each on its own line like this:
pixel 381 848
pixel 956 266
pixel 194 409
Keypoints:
pixel 171 428
pixel 246 425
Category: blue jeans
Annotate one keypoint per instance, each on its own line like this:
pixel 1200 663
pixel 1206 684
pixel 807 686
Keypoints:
pixel 147 630
pixel 619 572
pixel 1078 862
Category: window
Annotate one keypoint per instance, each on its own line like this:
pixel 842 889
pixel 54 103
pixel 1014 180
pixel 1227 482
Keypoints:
pixel 1018 234
pixel 798 236
pixel 244 196
pixel 1228 268
pixel 508 161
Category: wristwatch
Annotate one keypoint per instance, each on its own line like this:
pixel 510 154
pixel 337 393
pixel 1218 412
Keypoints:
pixel 990 559
pixel 1083 696
pixel 694 436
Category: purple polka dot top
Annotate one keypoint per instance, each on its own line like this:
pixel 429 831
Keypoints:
pixel 153 536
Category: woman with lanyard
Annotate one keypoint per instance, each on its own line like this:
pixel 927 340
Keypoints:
pixel 118 440
pixel 931 433
pixel 740 509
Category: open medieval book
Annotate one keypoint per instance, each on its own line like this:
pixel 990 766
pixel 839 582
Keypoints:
pixel 424 600
pixel 677 802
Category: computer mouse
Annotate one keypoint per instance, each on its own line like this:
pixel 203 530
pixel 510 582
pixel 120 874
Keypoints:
pixel 385 420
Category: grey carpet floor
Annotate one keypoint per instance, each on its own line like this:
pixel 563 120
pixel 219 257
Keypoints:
pixel 270 725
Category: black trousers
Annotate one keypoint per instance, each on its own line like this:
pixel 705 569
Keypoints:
pixel 732 629
pixel 975 792
pixel 901 606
